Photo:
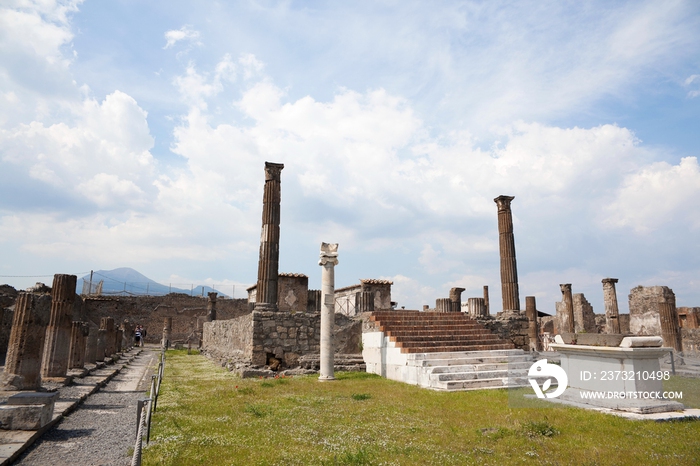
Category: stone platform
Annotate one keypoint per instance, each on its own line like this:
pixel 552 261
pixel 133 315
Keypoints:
pixel 441 351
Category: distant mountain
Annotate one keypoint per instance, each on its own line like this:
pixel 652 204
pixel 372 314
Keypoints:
pixel 127 281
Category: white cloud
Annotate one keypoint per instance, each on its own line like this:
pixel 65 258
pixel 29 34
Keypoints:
pixel 184 33
pixel 657 195
pixel 104 155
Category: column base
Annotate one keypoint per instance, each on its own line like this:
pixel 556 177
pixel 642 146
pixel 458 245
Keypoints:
pixel 325 378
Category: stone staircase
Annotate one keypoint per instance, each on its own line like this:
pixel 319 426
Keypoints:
pixel 442 351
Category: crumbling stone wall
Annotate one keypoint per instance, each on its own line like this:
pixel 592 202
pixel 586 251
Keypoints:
pixel 510 325
pixel 624 320
pixel 150 311
pixel 229 340
pixel 689 317
pixel 691 340
pixel 347 299
pixel 644 304
pixel 293 293
pixel 255 339
pixel 584 317
pixel 284 336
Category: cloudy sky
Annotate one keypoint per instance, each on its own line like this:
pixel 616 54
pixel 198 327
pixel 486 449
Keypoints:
pixel 134 134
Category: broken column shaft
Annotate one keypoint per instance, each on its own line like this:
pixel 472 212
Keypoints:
pixel 533 331
pixel 328 260
pixel 268 264
pixel 612 313
pixel 456 299
pixel 57 343
pixel 506 241
pixel 25 349
pixel 567 316
pixel 211 306
pixel 167 331
pixel 78 340
pixel 670 329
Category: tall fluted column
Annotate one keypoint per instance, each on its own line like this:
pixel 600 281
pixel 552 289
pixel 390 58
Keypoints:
pixel 268 264
pixel 211 306
pixel 57 343
pixel 509 268
pixel 328 260
pixel 24 353
pixel 612 312
pixel 567 316
pixel 456 299
pixel 532 330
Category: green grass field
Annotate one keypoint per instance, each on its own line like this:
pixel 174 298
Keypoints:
pixel 209 416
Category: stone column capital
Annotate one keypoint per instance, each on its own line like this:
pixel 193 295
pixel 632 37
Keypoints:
pixel 503 202
pixel 329 254
pixel 610 280
pixel 273 171
pixel 565 287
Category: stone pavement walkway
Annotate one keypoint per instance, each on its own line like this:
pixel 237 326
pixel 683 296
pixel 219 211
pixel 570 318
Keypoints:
pixel 94 420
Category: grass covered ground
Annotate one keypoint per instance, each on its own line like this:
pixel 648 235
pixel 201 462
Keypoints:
pixel 209 416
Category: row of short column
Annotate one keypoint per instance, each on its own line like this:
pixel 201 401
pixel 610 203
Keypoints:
pixel 45 342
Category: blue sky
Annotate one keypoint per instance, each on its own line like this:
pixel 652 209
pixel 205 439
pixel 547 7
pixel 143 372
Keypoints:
pixel 135 133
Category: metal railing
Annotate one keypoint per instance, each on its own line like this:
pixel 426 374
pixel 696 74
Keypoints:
pixel 145 408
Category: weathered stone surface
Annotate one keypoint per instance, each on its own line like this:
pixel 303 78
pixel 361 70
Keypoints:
pixel 506 241
pixel 211 306
pixel 456 299
pixel 25 417
pixel 512 326
pixel 565 310
pixel 107 324
pixel 167 331
pixel 6 318
pixel 691 340
pixel 443 305
pixel 670 328
pixel 100 351
pixel 645 306
pixel 150 311
pixel 91 346
pixel 476 307
pixel 533 331
pixel 592 339
pixel 611 309
pixel 584 317
pixel 689 317
pixel 486 300
pixel 26 348
pixel 57 343
pixel 268 264
pixel 78 342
